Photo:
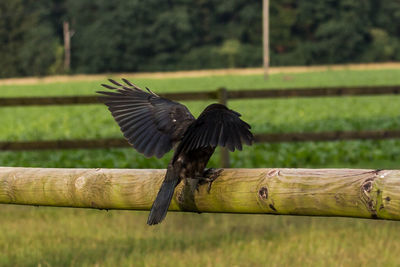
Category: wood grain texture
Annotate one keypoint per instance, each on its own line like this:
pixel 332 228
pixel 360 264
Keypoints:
pixel 316 192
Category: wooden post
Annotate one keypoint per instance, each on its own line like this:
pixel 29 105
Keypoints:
pixel 373 194
pixel 67 46
pixel 266 37
pixel 223 99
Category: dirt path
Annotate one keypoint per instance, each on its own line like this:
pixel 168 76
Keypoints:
pixel 198 73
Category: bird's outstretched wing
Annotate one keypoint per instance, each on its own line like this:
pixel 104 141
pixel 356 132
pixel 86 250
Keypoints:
pixel 216 125
pixel 150 123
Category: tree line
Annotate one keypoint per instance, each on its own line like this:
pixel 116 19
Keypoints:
pixel 157 35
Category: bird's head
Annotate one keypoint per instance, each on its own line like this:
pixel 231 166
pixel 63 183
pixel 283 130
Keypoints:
pixel 221 107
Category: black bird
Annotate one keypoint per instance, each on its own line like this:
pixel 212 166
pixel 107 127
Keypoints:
pixel 154 125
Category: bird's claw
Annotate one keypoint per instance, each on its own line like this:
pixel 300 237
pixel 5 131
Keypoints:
pixel 209 176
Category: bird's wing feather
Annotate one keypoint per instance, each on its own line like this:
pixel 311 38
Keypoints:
pixel 217 125
pixel 151 124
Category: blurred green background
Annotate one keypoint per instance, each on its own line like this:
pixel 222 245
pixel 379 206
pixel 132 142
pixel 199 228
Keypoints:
pixel 39 236
pixel 153 35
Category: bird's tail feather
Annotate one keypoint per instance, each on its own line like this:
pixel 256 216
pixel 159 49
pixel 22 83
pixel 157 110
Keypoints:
pixel 161 204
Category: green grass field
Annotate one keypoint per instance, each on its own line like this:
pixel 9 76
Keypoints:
pixel 31 236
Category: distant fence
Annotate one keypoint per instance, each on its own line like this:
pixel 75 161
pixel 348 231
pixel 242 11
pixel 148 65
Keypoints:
pixel 259 138
pixel 207 95
pixel 222 95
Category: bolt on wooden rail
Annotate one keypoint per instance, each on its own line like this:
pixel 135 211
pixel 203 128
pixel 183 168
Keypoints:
pixel 359 193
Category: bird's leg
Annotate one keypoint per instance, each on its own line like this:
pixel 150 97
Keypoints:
pixel 192 183
pixel 209 176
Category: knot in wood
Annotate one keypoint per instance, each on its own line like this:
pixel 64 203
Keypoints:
pixel 263 193
pixel 367 186
pixel 369 200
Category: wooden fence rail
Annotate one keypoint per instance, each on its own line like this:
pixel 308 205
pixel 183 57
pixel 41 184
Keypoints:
pixel 373 194
pixel 206 95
